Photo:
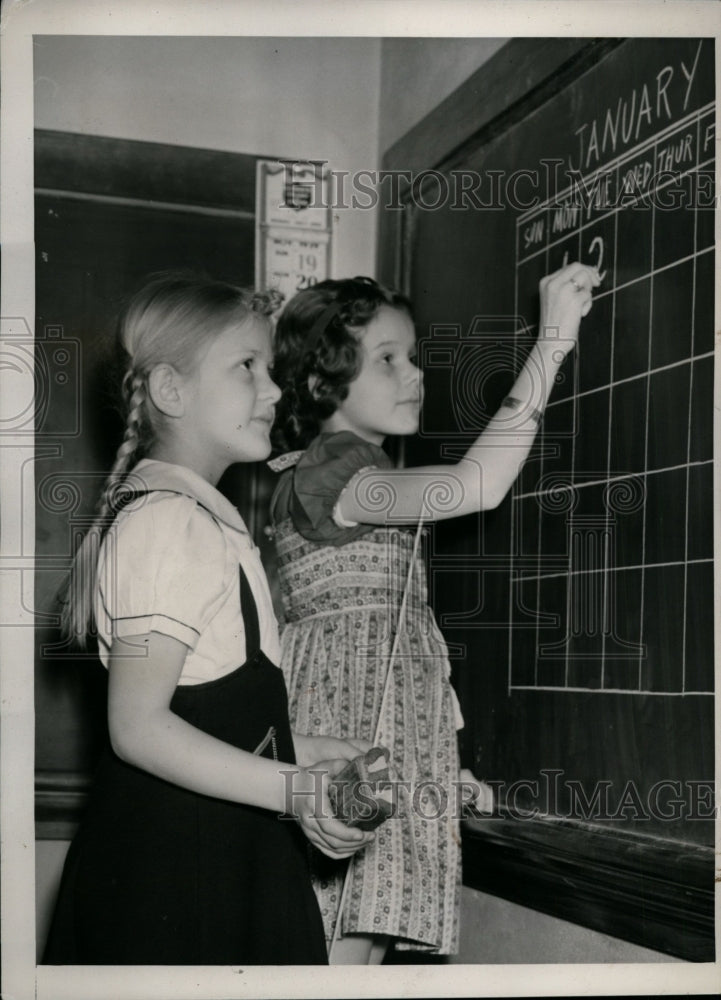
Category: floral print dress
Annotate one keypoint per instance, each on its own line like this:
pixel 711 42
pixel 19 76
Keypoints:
pixel 342 588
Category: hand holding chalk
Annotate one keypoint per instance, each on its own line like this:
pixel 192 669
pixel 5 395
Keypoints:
pixel 566 297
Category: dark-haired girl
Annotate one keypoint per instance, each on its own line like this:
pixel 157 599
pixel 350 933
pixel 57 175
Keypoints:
pixel 345 361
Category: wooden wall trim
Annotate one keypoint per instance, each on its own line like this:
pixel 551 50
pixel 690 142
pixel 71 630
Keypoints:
pixel 144 171
pixel 517 79
pixel 520 75
pixel 60 798
pixel 655 893
pixel 154 206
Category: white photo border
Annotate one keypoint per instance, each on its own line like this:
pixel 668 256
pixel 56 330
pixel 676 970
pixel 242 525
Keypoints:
pixel 446 18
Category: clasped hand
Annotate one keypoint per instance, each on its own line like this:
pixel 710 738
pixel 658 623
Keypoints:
pixel 321 758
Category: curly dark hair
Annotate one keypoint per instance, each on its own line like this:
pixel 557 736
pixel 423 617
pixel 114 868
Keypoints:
pixel 317 334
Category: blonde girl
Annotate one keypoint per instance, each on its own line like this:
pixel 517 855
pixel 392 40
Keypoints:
pixel 181 857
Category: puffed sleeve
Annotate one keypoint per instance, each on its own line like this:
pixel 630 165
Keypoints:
pixel 320 477
pixel 163 569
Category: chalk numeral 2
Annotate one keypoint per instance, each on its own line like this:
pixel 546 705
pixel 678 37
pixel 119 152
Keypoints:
pixel 598 245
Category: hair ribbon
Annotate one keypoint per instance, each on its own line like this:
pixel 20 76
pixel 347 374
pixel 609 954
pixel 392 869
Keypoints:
pixel 321 323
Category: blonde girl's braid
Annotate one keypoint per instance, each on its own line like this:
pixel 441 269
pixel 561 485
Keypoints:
pixel 135 393
pixel 167 321
pixel 77 610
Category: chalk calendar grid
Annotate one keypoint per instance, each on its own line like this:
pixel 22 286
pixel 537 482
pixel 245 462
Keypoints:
pixel 612 535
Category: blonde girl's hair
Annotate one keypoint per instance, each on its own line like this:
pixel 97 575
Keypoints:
pixel 170 320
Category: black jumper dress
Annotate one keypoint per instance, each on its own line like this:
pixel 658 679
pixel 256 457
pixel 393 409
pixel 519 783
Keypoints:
pixel 159 875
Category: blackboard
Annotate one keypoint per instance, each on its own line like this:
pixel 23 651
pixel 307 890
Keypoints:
pixel 108 212
pixel 580 612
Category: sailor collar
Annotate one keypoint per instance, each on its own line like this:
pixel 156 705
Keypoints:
pixel 152 474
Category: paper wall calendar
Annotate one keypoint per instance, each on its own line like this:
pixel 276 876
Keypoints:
pixel 293 227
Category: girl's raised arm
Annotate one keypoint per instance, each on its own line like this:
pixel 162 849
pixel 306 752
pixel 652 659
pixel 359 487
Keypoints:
pixel 144 732
pixel 482 478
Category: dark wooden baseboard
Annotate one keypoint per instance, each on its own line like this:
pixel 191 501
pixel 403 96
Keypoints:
pixel 653 892
pixel 656 893
pixel 60 798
